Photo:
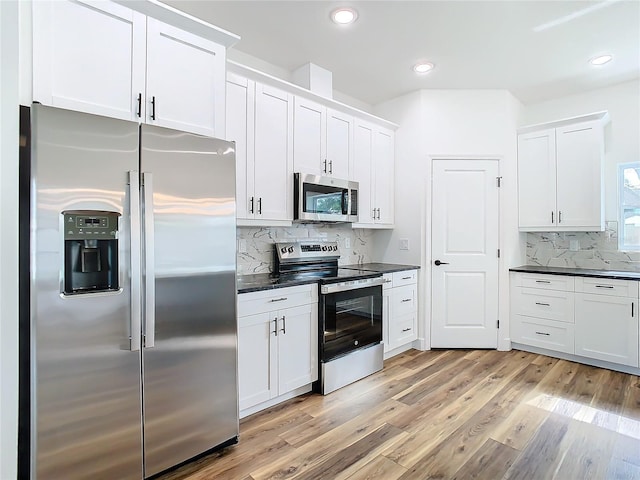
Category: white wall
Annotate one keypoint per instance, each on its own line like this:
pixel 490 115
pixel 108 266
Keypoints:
pixel 8 238
pixel 471 123
pixel 622 135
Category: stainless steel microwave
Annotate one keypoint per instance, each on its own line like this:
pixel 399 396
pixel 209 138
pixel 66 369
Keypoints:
pixel 324 199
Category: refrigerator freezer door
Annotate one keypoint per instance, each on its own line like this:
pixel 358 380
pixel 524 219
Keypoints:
pixel 190 372
pixel 86 396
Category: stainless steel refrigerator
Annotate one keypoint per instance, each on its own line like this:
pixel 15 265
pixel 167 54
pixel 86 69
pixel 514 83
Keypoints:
pixel 132 331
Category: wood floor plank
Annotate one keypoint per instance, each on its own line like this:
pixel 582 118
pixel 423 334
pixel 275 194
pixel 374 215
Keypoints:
pixel 491 462
pixel 445 414
pixel 380 468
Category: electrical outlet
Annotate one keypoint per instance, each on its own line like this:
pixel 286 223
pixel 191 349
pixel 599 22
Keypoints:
pixel 242 246
pixel 404 244
pixel 347 242
pixel 574 245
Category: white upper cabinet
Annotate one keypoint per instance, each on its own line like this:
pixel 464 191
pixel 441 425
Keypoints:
pixel 89 56
pixel 322 140
pixel 104 58
pixel 185 80
pixel 373 169
pixel 259 120
pixel 560 175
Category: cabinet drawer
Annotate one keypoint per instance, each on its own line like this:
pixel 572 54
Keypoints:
pixel 548 282
pixel 607 286
pixel 402 330
pixel 403 300
pixel 388 281
pixel 276 299
pixel 547 304
pixel 543 333
pixel 406 277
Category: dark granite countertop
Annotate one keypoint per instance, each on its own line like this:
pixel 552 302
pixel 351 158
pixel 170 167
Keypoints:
pixel 264 281
pixel 380 267
pixel 578 272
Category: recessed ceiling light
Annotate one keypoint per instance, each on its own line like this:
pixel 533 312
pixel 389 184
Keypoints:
pixel 601 60
pixel 423 67
pixel 344 15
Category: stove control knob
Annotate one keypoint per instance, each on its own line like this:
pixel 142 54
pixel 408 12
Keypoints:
pixel 324 248
pixel 335 247
pixel 283 249
pixel 290 249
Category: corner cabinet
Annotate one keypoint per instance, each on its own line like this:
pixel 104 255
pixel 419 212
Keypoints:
pixel 560 175
pixel 107 59
pixel 373 169
pixel 259 120
pixel 277 345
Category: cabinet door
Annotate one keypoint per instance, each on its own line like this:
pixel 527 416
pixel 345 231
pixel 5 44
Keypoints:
pixel 537 180
pixel 362 170
pixel 579 150
pixel 89 56
pixel 383 161
pixel 185 80
pixel 273 160
pixel 297 347
pixel 607 328
pixel 339 143
pixel 309 138
pixel 240 114
pixel 257 359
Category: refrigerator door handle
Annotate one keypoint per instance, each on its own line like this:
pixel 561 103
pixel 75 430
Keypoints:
pixel 149 262
pixel 134 235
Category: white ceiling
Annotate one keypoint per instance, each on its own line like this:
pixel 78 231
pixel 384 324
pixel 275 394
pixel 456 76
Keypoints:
pixel 474 44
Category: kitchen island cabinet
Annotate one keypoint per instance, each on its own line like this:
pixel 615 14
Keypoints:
pixel 277 345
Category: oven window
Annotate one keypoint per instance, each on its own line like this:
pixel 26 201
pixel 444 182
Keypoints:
pixel 351 320
pixel 324 199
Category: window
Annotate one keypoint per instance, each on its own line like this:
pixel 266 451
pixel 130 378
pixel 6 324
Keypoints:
pixel 629 190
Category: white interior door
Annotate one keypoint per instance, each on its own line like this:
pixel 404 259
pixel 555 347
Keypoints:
pixel 464 254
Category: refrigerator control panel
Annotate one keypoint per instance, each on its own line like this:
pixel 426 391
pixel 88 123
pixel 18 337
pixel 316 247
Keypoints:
pixel 86 225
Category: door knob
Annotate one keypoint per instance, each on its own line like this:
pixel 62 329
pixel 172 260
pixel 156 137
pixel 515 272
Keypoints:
pixel 438 263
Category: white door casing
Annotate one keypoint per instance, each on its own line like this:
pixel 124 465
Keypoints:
pixel 465 232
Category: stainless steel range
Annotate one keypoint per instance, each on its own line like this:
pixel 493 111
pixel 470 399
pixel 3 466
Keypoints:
pixel 350 311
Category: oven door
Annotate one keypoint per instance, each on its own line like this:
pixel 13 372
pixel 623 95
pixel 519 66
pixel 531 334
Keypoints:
pixel 349 321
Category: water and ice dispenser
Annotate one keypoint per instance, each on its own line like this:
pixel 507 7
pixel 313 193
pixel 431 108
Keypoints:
pixel 90 251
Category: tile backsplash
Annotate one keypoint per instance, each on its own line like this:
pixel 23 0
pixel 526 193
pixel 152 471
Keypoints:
pixel 597 250
pixel 255 244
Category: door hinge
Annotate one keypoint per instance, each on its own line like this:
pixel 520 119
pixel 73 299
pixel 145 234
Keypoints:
pixel 498 324
pixel 499 180
pixel 498 253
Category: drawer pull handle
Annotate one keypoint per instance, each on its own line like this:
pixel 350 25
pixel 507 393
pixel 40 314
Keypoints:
pixel 604 286
pixel 543 304
pixel 406 300
pixel 543 333
pixel 406 278
pixel 543 281
pixel 388 281
pixel 282 299
pixel 406 329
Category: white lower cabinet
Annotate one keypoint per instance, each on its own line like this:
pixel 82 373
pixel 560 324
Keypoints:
pixel 400 312
pixel 593 318
pixel 277 343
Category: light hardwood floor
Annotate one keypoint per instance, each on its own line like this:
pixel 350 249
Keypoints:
pixel 451 414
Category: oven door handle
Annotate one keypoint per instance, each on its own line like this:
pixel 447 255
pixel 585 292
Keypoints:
pixel 355 285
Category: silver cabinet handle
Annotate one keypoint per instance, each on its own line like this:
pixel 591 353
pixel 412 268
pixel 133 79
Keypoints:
pixel 559 217
pixel 149 277
pixel 260 206
pixel 406 329
pixel 134 222
pixel 551 217
pixel 543 304
pixel 284 325
pixel 281 299
pixel 543 281
pixel 378 214
pixel 407 278
pixel 632 309
pixel 374 214
pixel 387 280
pixel 324 168
pixel 604 286
pixel 331 166
pixel 543 333
pixel 251 207
pixel 275 323
pixel 406 300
